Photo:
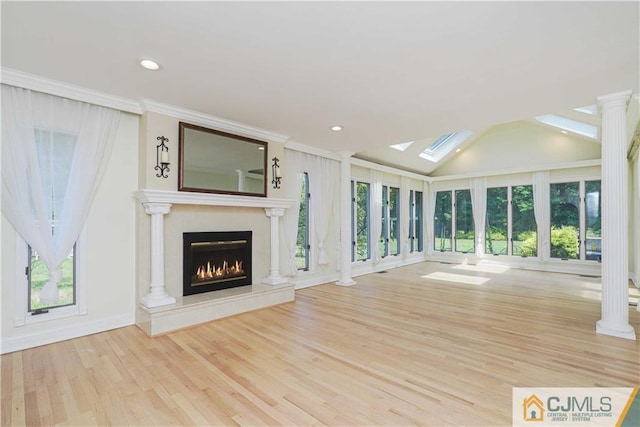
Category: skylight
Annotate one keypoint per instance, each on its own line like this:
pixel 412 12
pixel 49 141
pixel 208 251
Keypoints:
pixel 569 125
pixel 444 145
pixel 431 149
pixel 588 109
pixel 402 146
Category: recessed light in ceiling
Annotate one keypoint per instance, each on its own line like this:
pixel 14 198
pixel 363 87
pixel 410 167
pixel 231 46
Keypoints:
pixel 336 128
pixel 565 132
pixel 458 150
pixel 149 64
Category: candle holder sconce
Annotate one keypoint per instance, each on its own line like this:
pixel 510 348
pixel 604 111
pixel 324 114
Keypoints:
pixel 162 158
pixel 275 172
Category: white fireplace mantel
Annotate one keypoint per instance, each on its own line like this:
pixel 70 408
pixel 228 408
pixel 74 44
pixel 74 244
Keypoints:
pixel 211 199
pixel 158 203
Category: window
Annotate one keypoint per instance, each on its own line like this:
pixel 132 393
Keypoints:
pixel 442 222
pixel 565 220
pixel 569 125
pixel 442 146
pixel 454 219
pixel 576 220
pixel 55 152
pixel 383 244
pixel 510 218
pixel 360 221
pixel 496 233
pixel 415 221
pixel 394 223
pixel 388 244
pixel 465 231
pixel 524 231
pixel 302 242
pixel 37 276
pixel 593 238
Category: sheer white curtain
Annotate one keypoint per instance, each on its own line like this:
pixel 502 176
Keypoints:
pixel 292 188
pixel 376 214
pixel 55 151
pixel 427 216
pixel 479 207
pixel 324 183
pixel 324 179
pixel 404 216
pixel 430 211
pixel 542 212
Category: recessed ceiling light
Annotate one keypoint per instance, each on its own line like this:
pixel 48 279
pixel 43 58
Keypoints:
pixel 336 128
pixel 149 64
pixel 565 132
pixel 458 150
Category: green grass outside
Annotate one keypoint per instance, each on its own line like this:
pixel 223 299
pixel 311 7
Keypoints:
pixel 40 275
pixel 465 245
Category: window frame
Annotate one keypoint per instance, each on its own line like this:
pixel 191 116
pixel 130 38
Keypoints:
pixel 387 228
pixel 22 315
pixel 307 235
pixel 454 218
pixel 354 220
pixel 416 233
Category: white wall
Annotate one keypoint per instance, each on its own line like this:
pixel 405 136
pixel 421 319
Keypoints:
pixel 110 257
pixel 634 221
pixel 518 145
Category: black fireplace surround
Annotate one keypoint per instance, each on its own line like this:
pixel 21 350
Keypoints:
pixel 216 260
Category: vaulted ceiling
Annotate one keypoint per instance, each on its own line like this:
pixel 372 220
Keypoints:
pixel 389 72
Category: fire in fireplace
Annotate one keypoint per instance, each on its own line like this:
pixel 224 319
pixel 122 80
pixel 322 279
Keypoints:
pixel 216 260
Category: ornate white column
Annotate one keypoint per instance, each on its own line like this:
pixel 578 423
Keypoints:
pixel 274 277
pixel 345 220
pixel 157 295
pixel 615 218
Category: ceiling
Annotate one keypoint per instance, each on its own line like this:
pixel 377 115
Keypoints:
pixel 389 72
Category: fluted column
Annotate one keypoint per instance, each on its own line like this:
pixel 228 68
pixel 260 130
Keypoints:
pixel 274 277
pixel 615 218
pixel 240 173
pixel 157 295
pixel 345 220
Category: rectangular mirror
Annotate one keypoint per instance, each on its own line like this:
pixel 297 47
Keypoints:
pixel 212 161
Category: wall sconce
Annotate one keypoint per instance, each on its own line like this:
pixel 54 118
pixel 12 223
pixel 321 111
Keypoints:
pixel 162 157
pixel 275 169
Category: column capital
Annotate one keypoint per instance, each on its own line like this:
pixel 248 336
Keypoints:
pixel 615 99
pixel 346 154
pixel 157 208
pixel 271 212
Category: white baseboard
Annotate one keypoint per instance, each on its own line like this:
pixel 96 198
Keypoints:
pixel 301 283
pixel 63 333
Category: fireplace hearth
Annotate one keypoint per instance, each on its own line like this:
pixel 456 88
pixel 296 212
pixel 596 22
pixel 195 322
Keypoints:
pixel 216 260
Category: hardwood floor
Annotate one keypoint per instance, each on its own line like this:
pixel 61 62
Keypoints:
pixel 427 344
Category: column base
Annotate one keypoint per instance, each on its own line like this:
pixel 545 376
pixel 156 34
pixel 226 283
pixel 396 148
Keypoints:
pixel 275 281
pixel 151 301
pixel 620 331
pixel 347 283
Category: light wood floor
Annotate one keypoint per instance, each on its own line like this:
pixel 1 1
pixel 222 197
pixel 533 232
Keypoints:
pixel 395 349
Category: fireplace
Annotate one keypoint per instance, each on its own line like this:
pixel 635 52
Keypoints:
pixel 216 260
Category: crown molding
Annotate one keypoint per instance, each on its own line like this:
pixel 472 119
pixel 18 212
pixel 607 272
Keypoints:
pixel 514 171
pixel 201 119
pixel 303 148
pixel 65 90
pixel 355 161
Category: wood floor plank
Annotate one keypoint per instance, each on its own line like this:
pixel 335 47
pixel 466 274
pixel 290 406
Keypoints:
pixel 427 344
